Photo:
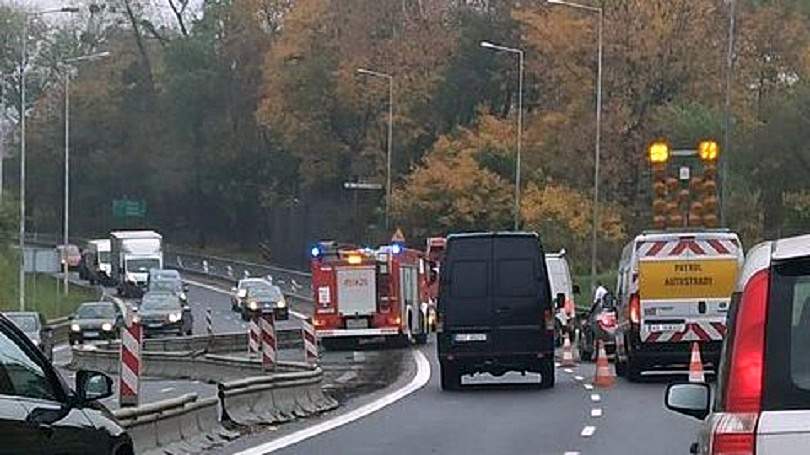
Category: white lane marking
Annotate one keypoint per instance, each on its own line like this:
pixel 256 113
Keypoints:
pixel 223 291
pixel 596 412
pixel 61 347
pixel 557 364
pixel 578 378
pixel 596 398
pixel 588 431
pixel 571 453
pixel 166 390
pixel 587 386
pixel 421 378
pixel 568 370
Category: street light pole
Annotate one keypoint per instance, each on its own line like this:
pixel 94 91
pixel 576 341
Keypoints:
pixel 598 141
pixel 390 79
pixel 520 53
pixel 66 226
pixel 727 112
pixel 23 63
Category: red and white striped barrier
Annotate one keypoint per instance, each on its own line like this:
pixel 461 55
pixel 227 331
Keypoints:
pixel 268 341
pixel 131 342
pixel 209 322
pixel 310 341
pixel 254 335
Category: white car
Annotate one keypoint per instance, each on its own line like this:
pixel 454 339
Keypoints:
pixel 761 404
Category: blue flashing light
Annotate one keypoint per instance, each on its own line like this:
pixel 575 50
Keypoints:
pixel 315 251
pixel 396 248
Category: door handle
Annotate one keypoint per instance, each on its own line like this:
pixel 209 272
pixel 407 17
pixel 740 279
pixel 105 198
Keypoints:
pixel 503 309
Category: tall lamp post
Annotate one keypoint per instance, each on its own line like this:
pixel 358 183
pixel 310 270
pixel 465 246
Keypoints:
pixel 520 54
pixel 66 227
pixel 23 63
pixel 598 141
pixel 390 79
pixel 3 77
pixel 732 18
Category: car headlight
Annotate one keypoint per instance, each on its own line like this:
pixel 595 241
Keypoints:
pixel 106 327
pixel 183 296
pixel 253 305
pixel 242 293
pixel 75 328
pixel 174 317
pixel 282 303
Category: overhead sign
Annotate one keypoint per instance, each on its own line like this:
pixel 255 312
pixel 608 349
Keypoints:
pixel 123 208
pixel 362 186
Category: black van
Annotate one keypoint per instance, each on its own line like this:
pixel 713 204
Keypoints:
pixel 496 312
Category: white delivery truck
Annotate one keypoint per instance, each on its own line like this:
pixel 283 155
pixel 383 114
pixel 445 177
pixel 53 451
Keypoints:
pixel 133 254
pixel 97 265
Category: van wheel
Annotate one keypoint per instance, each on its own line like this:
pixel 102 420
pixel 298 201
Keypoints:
pixel 421 338
pixel 633 368
pixel 451 378
pixel 547 378
pixel 621 367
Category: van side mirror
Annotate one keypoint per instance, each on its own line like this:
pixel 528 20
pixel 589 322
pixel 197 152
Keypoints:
pixel 560 301
pixel 576 290
pixel 691 399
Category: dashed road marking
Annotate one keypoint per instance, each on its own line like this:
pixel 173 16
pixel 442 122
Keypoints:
pixel 578 378
pixel 588 431
pixel 596 398
pixel 166 390
pixel 557 364
pixel 571 453
pixel 568 370
pixel 588 386
pixel 596 412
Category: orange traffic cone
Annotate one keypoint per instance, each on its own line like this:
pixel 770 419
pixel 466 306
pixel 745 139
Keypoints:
pixel 568 353
pixel 604 376
pixel 696 365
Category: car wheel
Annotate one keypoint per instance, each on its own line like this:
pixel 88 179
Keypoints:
pixel 245 316
pixel 451 378
pixel 547 373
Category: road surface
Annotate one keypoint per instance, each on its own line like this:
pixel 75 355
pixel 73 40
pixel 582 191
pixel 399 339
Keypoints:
pixel 507 415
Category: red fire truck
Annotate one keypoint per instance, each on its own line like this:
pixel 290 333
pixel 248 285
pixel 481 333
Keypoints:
pixel 434 254
pixel 368 292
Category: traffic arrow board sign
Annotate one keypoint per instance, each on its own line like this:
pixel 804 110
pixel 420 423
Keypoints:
pixel 362 186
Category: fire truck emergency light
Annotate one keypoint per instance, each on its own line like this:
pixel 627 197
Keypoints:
pixel 315 251
pixel 354 259
pixel 396 248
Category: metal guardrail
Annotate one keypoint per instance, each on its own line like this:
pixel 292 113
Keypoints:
pixel 294 283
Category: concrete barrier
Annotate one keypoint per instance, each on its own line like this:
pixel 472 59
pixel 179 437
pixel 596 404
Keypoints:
pixel 176 425
pixel 274 399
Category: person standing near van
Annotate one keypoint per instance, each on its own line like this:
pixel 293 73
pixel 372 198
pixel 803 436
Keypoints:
pixel 599 293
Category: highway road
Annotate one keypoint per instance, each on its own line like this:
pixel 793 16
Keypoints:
pixel 505 415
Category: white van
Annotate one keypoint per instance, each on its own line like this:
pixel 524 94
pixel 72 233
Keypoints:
pixel 559 277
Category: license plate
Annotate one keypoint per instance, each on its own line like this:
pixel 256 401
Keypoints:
pixel 154 326
pixel 667 327
pixel 356 323
pixel 91 334
pixel 468 337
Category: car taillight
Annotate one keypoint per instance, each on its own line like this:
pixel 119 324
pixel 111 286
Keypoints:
pixel 734 434
pixel 635 309
pixel 734 431
pixel 606 320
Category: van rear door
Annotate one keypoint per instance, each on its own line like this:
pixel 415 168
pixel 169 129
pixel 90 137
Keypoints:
pixel 520 295
pixel 468 305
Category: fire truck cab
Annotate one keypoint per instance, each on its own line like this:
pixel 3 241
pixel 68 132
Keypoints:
pixel 434 254
pixel 360 292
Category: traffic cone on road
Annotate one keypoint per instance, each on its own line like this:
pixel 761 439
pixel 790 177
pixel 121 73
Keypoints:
pixel 696 373
pixel 604 377
pixel 568 353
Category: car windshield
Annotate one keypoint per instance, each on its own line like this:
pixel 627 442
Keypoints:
pixel 26 322
pixel 166 285
pixel 142 265
pixel 271 293
pixel 96 311
pixel 153 302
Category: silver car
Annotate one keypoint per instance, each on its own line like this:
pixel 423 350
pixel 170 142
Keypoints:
pixel 761 403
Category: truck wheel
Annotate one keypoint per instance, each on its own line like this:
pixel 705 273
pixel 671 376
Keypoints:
pixel 421 338
pixel 451 378
pixel 633 368
pixel 547 379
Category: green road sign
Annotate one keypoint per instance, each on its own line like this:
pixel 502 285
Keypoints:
pixel 123 208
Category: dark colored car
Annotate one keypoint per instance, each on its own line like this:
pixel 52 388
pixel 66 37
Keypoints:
pixel 262 299
pixel 96 321
pixel 599 324
pixel 164 313
pixel 36 328
pixel 40 414
pixel 496 312
pixel 162 280
pixel 239 293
